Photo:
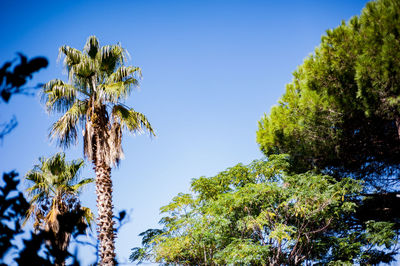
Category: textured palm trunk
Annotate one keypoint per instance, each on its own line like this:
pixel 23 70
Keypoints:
pixel 61 238
pixel 105 224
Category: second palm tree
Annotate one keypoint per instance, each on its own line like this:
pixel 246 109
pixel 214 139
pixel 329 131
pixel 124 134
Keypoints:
pixel 54 191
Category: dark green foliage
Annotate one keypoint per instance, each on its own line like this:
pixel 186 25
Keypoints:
pixel 46 241
pixel 13 207
pixel 11 82
pixel 341 112
pixel 340 116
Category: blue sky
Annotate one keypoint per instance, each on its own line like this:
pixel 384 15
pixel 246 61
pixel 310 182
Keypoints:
pixel 211 69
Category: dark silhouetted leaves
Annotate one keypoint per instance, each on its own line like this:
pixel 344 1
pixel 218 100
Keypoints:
pixel 11 81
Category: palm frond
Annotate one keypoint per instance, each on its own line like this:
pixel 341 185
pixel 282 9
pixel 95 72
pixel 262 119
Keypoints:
pixel 72 56
pixel 79 65
pixel 111 57
pixel 41 183
pixel 92 46
pixel 118 91
pixel 55 166
pixel 58 95
pixel 88 215
pixel 83 71
pixel 82 183
pixel 65 129
pixel 123 73
pixel 39 190
pixel 34 175
pixel 118 86
pixel 40 195
pixel 65 173
pixel 134 121
pixel 73 169
pixel 28 214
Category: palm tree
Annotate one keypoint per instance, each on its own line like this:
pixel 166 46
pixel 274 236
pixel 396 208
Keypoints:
pixel 54 193
pixel 99 82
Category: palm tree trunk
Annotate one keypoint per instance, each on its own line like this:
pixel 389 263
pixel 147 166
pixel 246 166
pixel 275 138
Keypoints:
pixel 62 240
pixel 105 224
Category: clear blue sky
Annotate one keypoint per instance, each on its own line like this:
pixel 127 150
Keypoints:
pixel 210 71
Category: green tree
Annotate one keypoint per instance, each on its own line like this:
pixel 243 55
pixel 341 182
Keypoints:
pixel 99 82
pixel 340 114
pixel 54 194
pixel 260 215
pixel 12 82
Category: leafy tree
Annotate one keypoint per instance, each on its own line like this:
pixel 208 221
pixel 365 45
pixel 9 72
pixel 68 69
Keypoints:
pixel 54 196
pixel 340 114
pixel 12 82
pixel 13 208
pixel 260 215
pixel 98 83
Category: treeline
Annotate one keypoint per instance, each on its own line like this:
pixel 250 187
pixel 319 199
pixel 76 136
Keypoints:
pixel 327 192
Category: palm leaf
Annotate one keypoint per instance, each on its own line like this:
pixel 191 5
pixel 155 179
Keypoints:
pixel 83 182
pixel 39 196
pixel 123 72
pixel 88 215
pixel 134 121
pixel 92 46
pixel 40 183
pixel 117 91
pixel 73 169
pixel 72 56
pixel 119 84
pixel 58 95
pixel 65 129
pixel 84 70
pixel 111 57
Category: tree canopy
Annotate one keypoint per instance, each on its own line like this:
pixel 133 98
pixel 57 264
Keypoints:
pixel 258 214
pixel 341 114
pixel 55 187
pixel 12 82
